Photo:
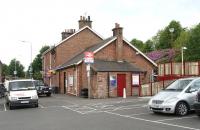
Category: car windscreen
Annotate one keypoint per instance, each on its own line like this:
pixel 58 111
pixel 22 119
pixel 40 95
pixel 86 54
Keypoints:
pixel 21 85
pixel 39 83
pixel 178 85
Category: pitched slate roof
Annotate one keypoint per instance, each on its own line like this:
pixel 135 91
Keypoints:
pixel 114 66
pixel 78 58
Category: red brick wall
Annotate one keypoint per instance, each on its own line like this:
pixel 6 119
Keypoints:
pixel 101 85
pixel 70 89
pixel 69 49
pixel 75 45
pixel 107 53
pixel 46 67
pixel 137 59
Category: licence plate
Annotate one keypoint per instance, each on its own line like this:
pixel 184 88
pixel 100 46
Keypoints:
pixel 45 91
pixel 24 101
pixel 155 106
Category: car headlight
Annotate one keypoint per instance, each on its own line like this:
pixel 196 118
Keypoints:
pixel 35 97
pixel 171 100
pixel 150 102
pixel 13 98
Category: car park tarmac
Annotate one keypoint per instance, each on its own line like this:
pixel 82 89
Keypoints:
pixel 67 112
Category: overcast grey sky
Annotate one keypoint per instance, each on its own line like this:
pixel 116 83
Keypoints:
pixel 41 22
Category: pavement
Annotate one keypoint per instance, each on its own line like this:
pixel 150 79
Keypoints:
pixel 62 112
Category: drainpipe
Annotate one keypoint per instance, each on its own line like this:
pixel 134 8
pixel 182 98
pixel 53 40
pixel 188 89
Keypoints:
pixel 108 84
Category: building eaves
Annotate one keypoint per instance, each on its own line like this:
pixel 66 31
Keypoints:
pixel 151 61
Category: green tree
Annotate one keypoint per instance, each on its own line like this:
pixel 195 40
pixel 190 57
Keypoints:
pixel 5 69
pixel 167 38
pixel 182 40
pixel 193 45
pixel 155 39
pixel 37 63
pixel 138 43
pixel 19 68
pixel 149 46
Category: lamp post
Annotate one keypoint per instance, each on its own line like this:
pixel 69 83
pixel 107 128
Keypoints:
pixel 31 68
pixel 171 30
pixel 15 71
pixel 182 69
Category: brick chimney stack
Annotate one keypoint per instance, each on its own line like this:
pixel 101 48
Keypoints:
pixel 84 22
pixel 117 31
pixel 67 33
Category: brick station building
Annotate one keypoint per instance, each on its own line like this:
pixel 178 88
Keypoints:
pixel 117 63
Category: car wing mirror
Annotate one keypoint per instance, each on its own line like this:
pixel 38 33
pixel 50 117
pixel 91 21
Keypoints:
pixel 192 90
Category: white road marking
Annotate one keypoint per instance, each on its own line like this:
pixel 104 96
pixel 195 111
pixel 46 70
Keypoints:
pixel 73 110
pixel 41 106
pixel 5 109
pixel 129 107
pixel 176 118
pixel 139 114
pixel 157 122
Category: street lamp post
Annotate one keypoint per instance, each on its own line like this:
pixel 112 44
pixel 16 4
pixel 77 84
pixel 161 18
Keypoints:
pixel 182 66
pixel 171 30
pixel 31 68
pixel 15 71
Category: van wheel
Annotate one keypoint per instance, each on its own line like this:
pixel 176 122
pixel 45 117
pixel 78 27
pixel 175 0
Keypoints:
pixel 36 105
pixel 182 109
pixel 10 107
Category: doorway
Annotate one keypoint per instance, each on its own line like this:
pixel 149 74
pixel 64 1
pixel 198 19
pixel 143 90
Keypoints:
pixel 121 84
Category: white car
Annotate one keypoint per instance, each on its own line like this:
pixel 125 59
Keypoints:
pixel 178 98
pixel 20 93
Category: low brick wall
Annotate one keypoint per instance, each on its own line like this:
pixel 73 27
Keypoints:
pixel 151 89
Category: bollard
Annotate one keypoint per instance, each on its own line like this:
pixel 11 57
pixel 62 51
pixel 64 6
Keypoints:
pixel 124 93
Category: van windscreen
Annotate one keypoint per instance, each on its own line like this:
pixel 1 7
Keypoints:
pixel 21 85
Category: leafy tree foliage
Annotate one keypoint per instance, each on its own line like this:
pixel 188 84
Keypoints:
pixel 19 68
pixel 167 38
pixel 5 69
pixel 193 45
pixel 138 43
pixel 182 40
pixel 37 63
pixel 148 46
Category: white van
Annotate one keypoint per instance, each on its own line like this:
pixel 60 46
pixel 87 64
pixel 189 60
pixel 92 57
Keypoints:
pixel 20 93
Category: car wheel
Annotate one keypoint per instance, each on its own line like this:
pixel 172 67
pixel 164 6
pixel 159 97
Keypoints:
pixel 182 109
pixel 48 95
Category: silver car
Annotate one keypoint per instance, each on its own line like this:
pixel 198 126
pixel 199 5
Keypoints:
pixel 177 98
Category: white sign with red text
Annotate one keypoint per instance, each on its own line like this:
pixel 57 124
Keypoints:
pixel 89 57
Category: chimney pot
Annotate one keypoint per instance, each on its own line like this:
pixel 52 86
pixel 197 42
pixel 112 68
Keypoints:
pixel 85 22
pixel 66 33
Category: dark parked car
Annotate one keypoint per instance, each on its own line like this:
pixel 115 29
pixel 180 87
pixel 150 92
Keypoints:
pixel 197 104
pixel 42 89
pixel 2 90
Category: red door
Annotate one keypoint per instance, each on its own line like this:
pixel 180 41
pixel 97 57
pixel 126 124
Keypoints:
pixel 121 84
